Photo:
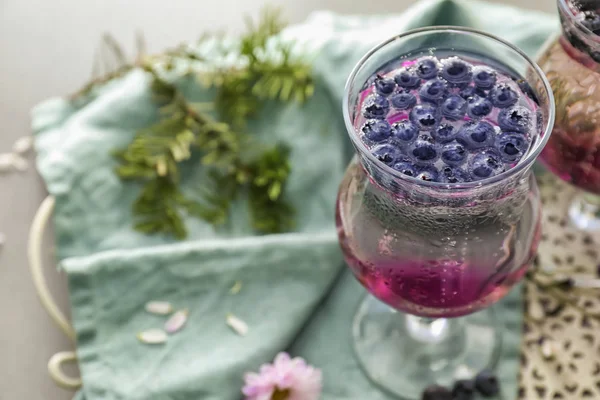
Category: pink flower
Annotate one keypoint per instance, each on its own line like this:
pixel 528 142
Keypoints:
pixel 286 379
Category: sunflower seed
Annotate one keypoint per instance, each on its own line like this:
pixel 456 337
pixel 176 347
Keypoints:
pixel 23 145
pixel 20 163
pixel 6 162
pixel 159 307
pixel 239 326
pixel 177 321
pixel 152 336
pixel 235 289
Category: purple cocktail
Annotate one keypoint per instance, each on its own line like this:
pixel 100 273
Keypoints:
pixel 572 63
pixel 438 216
pixel 450 120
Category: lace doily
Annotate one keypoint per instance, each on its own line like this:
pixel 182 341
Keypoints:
pixel 560 349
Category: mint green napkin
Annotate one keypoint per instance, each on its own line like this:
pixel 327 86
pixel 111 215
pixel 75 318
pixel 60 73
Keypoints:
pixel 113 271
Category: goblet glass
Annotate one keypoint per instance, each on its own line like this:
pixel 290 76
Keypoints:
pixel 429 252
pixel 571 62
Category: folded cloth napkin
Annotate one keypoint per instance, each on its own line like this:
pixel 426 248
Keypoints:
pixel 113 271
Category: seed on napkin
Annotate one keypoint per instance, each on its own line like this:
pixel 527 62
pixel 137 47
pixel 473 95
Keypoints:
pixel 23 145
pixel 6 162
pixel 19 163
pixel 238 326
pixel 152 336
pixel 159 307
pixel 177 321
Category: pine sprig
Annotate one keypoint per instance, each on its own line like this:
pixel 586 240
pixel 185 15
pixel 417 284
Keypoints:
pixel 236 164
pixel 272 72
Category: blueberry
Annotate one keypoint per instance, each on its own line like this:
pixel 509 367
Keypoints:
pixel 503 96
pixel 526 88
pixel 516 119
pixel 471 91
pixel 485 164
pixel 590 19
pixel 436 392
pixel 433 91
pixel 404 132
pixel 425 117
pixel 387 153
pixel 403 100
pixel 512 146
pixel 487 384
pixel 454 154
pixel 424 150
pixel 453 175
pixel 585 5
pixel 427 67
pixel 377 130
pixel 463 390
pixel 484 77
pixel 376 106
pixel 429 174
pixel 478 107
pixel 456 71
pixel 384 86
pixel 406 168
pixel 444 133
pixel 408 78
pixel 476 134
pixel 454 108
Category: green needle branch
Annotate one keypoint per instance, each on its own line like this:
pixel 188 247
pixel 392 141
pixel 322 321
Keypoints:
pixel 237 164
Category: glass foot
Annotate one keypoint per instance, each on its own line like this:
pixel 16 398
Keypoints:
pixel 585 212
pixel 403 354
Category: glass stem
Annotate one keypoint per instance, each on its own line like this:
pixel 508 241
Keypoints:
pixel 432 330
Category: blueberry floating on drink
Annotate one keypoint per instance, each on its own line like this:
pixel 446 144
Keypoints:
pixel 461 120
pixel 433 91
pixel 456 71
pixel 404 133
pixel 476 134
pixel 454 154
pixel 444 133
pixel 484 77
pixel 387 153
pixel 376 106
pixel 384 86
pixel 408 78
pixel 454 175
pixel 425 117
pixel 427 67
pixel 485 164
pixel 503 96
pixel 403 99
pixel 512 146
pixel 454 107
pixel 406 168
pixel 478 107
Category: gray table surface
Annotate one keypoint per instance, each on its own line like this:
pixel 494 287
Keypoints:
pixel 46 49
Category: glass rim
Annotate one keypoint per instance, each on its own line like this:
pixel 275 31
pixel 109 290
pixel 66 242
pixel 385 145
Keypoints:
pixel 531 156
pixel 563 6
